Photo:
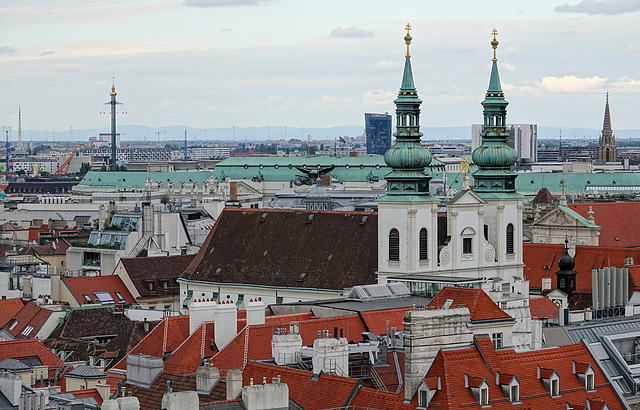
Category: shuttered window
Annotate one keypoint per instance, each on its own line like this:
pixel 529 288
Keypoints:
pixel 394 245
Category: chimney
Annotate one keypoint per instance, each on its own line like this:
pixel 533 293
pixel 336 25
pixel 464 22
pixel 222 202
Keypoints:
pixel 234 383
pixel 200 311
pixel 102 216
pixel 143 370
pixel 325 180
pixel 255 312
pixel 546 283
pixel 11 387
pixel 285 348
pixel 180 400
pixel 233 191
pixel 145 325
pixel 266 396
pixel 104 390
pixel 207 377
pixel 628 261
pixel 225 317
pixel 331 356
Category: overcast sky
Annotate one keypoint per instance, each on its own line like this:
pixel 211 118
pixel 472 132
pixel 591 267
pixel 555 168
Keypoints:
pixel 314 63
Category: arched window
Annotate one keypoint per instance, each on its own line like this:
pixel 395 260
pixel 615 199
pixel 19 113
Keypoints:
pixel 510 238
pixel 562 284
pixel 394 245
pixel 424 254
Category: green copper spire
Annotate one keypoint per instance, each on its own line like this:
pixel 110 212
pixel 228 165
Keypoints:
pixel 494 157
pixel 408 180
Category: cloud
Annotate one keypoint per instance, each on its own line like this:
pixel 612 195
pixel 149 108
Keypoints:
pixel 605 7
pixel 350 32
pixel 326 100
pixel 627 85
pixel 7 50
pixel 227 3
pixel 47 53
pixel 378 97
pixel 212 108
pixel 570 84
pixel 385 66
pixel 165 102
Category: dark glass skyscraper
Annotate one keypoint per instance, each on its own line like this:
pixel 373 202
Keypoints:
pixel 378 132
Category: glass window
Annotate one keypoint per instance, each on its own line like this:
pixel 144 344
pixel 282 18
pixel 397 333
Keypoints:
pixel 423 245
pixel 104 297
pixel 510 238
pixel 484 396
pixel 496 338
pixel 515 393
pixel 467 246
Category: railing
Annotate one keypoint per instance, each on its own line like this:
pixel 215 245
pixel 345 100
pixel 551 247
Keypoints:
pixel 376 380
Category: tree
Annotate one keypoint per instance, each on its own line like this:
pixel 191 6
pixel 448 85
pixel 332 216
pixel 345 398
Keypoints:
pixel 164 200
pixel 84 168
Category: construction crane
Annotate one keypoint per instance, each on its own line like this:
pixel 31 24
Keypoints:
pixel 64 168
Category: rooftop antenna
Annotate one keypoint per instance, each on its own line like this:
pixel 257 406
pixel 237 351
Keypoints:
pixel 20 128
pixel 113 105
pixel 6 149
pixel 185 145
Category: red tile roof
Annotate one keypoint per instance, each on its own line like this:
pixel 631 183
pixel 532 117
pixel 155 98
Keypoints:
pixel 157 269
pixel 541 260
pixel 152 398
pixel 480 305
pixel 8 309
pixel 483 362
pixel 614 221
pixel 57 247
pixel 543 197
pixel 90 284
pixel 327 392
pixel 335 250
pixel 543 307
pixel 165 337
pixel 29 315
pixel 22 349
pixel 186 358
pixel 376 320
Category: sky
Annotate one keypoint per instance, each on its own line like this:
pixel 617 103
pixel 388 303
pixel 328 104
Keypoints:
pixel 312 63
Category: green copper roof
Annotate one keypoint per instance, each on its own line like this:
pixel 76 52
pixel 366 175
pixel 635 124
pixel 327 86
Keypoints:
pixel 577 216
pixel 136 180
pixel 407 158
pixel 494 80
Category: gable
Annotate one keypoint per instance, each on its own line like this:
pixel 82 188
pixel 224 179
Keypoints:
pixel 562 217
pixel 467 197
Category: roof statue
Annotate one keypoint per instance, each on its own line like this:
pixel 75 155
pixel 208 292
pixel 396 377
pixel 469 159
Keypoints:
pixel 311 175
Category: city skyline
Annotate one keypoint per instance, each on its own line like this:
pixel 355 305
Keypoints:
pixel 220 63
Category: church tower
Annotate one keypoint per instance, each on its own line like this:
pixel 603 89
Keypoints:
pixel 566 276
pixel 407 214
pixel 607 141
pixel 495 181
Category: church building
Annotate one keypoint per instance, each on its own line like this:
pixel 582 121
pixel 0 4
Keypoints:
pixel 607 141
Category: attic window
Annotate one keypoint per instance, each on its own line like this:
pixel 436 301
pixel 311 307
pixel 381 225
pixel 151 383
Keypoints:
pixel 13 325
pixel 104 297
pixel 217 272
pixel 484 395
pixel 514 393
pixel 87 298
pixel 150 285
pixel 310 218
pixel 120 297
pixel 616 238
pixel 165 284
pixel 589 382
pixel 302 276
pixel 364 220
pixel 27 330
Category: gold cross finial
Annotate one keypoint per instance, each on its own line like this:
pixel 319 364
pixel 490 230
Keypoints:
pixel 408 38
pixel 494 44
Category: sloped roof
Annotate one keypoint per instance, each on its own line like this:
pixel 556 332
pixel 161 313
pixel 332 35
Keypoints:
pixel 129 180
pixel 30 315
pixel 58 247
pixel 480 305
pixel 543 197
pixel 165 337
pixel 90 284
pixel 13 365
pixel 543 307
pixel 376 320
pixel 157 269
pixel 151 399
pixel 86 372
pixel 29 348
pixel 8 309
pixel 616 227
pixel 541 260
pixel 482 361
pixel 334 250
pixel 327 392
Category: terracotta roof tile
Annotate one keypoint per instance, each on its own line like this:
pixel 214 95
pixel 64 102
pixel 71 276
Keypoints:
pixel 29 315
pixel 324 245
pixel 453 365
pixel 90 284
pixel 308 393
pixel 543 197
pixel 616 228
pixel 376 320
pixel 8 309
pixel 22 349
pixel 480 305
pixel 541 260
pixel 543 307
pixel 157 269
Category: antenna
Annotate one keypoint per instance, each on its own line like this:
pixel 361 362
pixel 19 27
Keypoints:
pixel 20 128
pixel 185 145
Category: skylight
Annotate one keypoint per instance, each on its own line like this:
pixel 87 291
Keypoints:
pixel 104 297
pixel 27 330
pixel 120 297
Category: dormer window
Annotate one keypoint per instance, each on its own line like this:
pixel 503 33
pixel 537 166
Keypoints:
pixel 551 380
pixel 589 382
pixel 555 387
pixel 586 374
pixel 510 385
pixel 484 395
pixel 426 390
pixel 479 387
pixel 514 393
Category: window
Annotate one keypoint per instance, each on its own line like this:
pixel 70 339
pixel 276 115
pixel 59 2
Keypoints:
pixel 104 297
pixel 165 284
pixel 486 232
pixel 13 325
pixel 562 283
pixel 87 299
pixel 510 238
pixel 467 246
pixel 496 338
pixel 589 381
pixel 27 330
pixel 120 297
pixel 555 387
pixel 514 393
pixel 150 285
pixel 394 245
pixel 484 396
pixel 423 245
pixel 422 399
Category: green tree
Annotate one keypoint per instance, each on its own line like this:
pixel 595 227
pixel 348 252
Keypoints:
pixel 164 200
pixel 84 168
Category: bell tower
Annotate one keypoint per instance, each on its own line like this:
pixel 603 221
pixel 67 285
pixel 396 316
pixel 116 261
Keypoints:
pixel 407 214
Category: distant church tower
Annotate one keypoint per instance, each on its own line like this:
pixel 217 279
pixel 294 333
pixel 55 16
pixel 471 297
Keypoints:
pixel 407 214
pixel 607 141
